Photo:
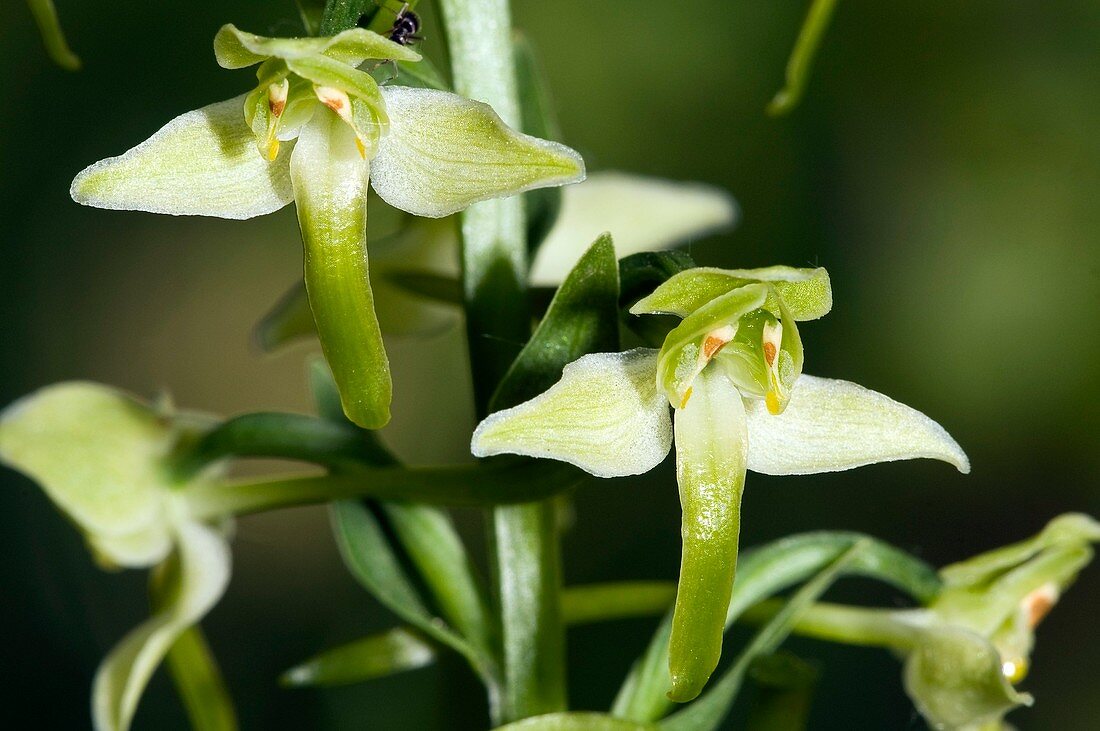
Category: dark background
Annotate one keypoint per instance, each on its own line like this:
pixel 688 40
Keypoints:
pixel 945 167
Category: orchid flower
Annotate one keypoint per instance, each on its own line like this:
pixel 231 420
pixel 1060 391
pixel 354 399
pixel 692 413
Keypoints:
pixel 102 458
pixel 317 130
pixel 731 370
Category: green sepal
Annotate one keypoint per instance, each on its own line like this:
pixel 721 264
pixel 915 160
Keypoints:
pixel 807 293
pixel 582 318
pixel 682 354
pixel 237 49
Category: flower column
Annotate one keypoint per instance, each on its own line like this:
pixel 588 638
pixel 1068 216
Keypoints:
pixel 527 553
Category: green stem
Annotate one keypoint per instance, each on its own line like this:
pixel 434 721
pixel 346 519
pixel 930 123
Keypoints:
pixel 802 57
pixel 523 538
pixel 584 604
pixel 45 15
pixel 896 629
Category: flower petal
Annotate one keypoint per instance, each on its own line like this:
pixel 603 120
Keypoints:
pixel 236 49
pixel 955 680
pixel 203 163
pixel 330 183
pixel 642 213
pixel 831 425
pixel 604 416
pixel 806 292
pixel 203 572
pixel 711 444
pixel 444 152
pixel 98 454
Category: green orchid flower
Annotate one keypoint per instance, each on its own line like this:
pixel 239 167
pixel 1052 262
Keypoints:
pixel 319 131
pixel 102 458
pixel 732 372
pixel 966 651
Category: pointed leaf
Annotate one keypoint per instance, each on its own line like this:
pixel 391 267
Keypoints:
pixel 235 48
pixel 203 163
pixel 201 576
pixel 806 292
pixel 582 318
pixel 575 721
pixel 100 456
pixel 330 182
pixel 444 152
pixel 395 651
pixel 833 425
pixel 642 213
pixel 604 416
pixel 711 446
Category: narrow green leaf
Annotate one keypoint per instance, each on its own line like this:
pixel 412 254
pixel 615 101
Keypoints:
pixel 310 12
pixel 200 684
pixel 539 120
pixel 289 320
pixel 762 572
pixel 395 651
pixel 802 57
pixel 582 318
pixel 785 687
pixel 707 713
pixel 438 287
pixel 575 721
pixel 53 38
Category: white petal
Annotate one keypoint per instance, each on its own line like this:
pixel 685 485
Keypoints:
pixel 204 565
pixel 604 416
pixel 444 152
pixel 203 163
pixel 99 455
pixel 832 425
pixel 642 213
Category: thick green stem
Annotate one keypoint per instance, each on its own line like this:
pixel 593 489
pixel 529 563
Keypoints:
pixel 494 266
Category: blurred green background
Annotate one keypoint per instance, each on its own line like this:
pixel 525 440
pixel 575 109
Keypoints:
pixel 944 166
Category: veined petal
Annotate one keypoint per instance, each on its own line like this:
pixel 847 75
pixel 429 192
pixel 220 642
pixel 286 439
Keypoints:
pixel 98 454
pixel 831 425
pixel 330 181
pixel 235 48
pixel 806 292
pixel 955 679
pixel 203 572
pixel 604 416
pixel 444 152
pixel 711 445
pixel 203 163
pixel 642 213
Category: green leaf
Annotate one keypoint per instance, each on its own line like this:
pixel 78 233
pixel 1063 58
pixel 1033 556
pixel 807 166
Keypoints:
pixel 200 581
pixel 707 713
pixel 539 120
pixel 421 74
pixel 605 416
pixel 330 182
pixel 311 11
pixel 711 444
pixel 575 721
pixel 642 213
pixel 203 163
pixel 237 49
pixel 289 320
pixel 785 686
pixel 53 38
pixel 100 456
pixel 832 425
pixel 395 651
pixel 762 572
pixel 807 293
pixel 444 152
pixel 582 318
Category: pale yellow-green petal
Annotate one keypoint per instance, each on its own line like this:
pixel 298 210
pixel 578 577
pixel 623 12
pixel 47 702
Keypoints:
pixel 604 416
pixel 99 455
pixel 831 425
pixel 203 573
pixel 643 214
pixel 202 163
pixel 444 152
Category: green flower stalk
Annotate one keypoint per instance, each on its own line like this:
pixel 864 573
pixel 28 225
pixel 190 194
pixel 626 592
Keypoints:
pixel 732 372
pixel 318 130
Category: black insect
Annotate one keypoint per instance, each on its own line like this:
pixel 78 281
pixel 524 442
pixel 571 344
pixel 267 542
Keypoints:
pixel 405 27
